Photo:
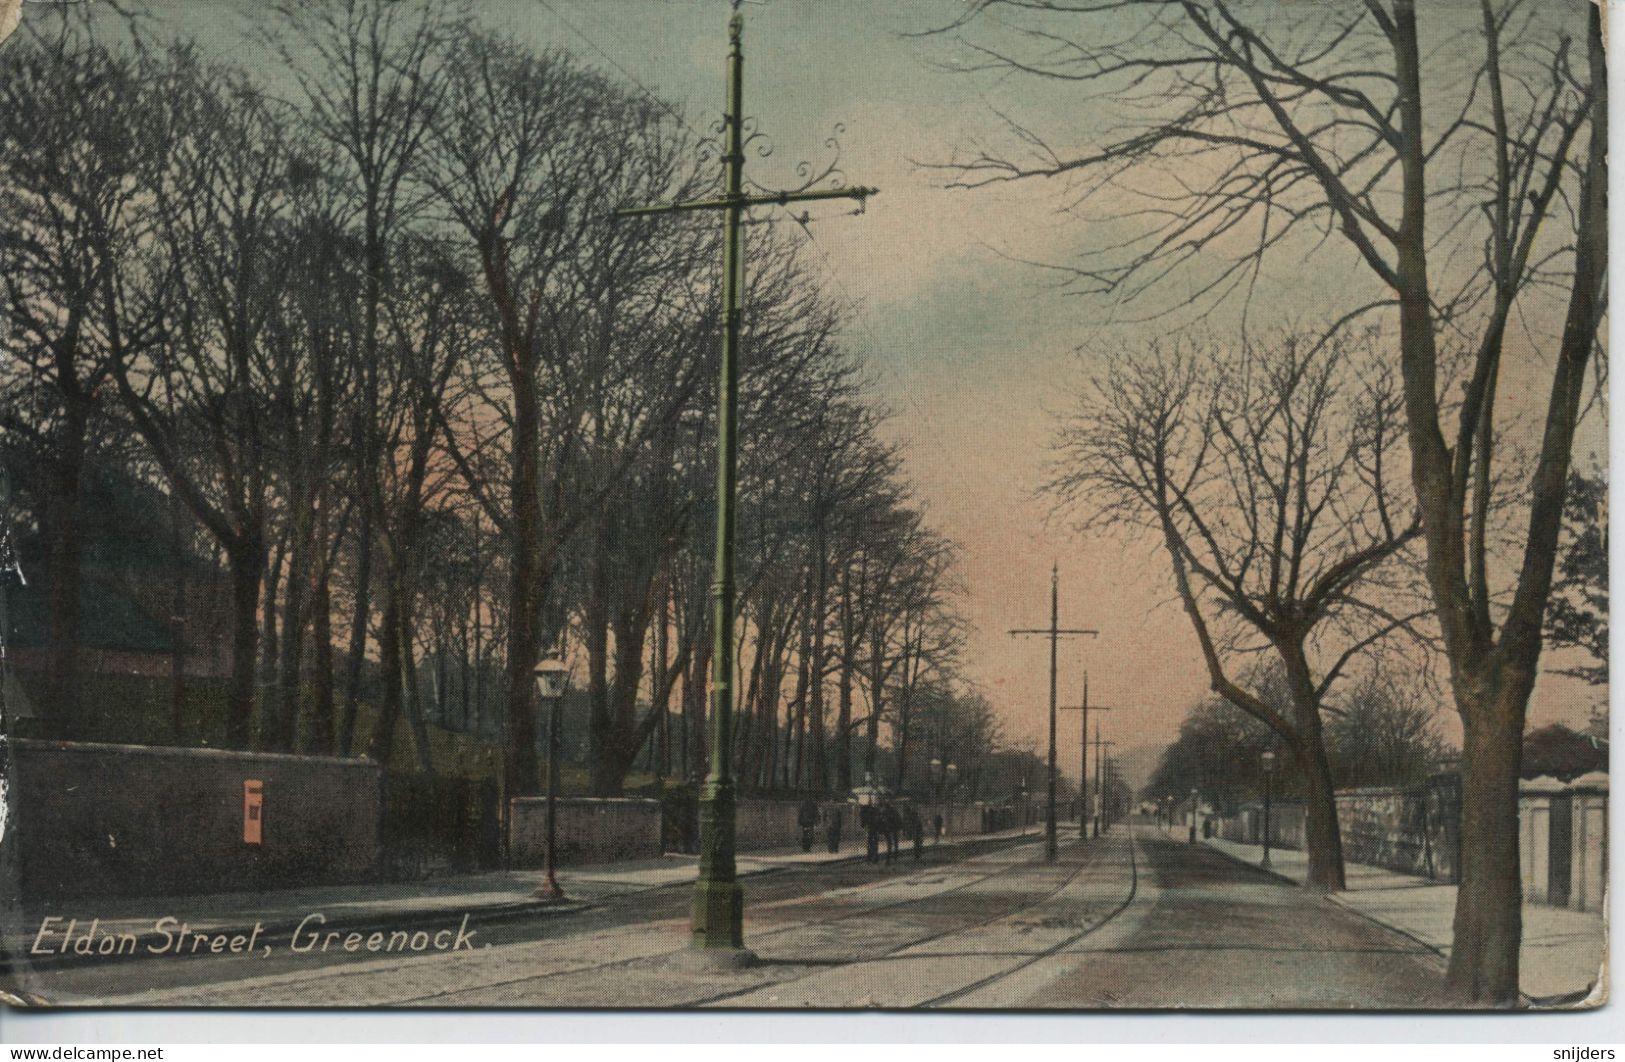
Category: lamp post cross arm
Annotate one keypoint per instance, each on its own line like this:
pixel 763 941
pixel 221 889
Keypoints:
pixel 860 193
pixel 1050 631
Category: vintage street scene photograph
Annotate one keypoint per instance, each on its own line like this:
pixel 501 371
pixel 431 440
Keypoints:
pixel 1015 506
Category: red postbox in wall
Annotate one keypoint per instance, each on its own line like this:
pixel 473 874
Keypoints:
pixel 253 801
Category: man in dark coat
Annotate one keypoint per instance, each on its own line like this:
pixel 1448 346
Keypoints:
pixel 869 819
pixel 832 829
pixel 915 828
pixel 808 818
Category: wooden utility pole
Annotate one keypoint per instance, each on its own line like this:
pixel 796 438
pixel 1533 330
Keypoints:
pixel 1083 756
pixel 1054 632
pixel 1100 794
pixel 718 902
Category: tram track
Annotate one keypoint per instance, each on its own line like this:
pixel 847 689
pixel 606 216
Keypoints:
pixel 1054 949
pixel 800 925
pixel 1092 858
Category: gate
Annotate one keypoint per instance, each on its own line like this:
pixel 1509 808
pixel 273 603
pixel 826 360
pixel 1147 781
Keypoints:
pixel 1560 845
pixel 433 824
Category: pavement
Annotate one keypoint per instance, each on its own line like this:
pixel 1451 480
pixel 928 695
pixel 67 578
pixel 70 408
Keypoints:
pixel 1136 919
pixel 1564 957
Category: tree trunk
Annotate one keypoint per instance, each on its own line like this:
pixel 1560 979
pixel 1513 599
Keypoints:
pixel 1489 901
pixel 595 633
pixel 247 560
pixel 177 628
pixel 745 760
pixel 285 719
pixel 877 686
pixel 662 661
pixel 694 686
pixel 819 781
pixel 64 567
pixel 525 586
pixel 319 740
pixel 843 711
pixel 623 746
pixel 413 700
pixel 382 746
pixel 359 619
pixel 1322 836
pixel 270 649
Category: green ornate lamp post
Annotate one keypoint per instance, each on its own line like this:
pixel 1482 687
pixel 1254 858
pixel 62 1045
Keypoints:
pixel 718 902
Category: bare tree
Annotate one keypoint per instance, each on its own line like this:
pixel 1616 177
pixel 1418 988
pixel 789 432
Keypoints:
pixel 528 157
pixel 202 397
pixel 1577 617
pixel 430 319
pixel 368 72
pixel 1269 475
pixel 1384 730
pixel 309 336
pixel 1329 122
pixel 76 127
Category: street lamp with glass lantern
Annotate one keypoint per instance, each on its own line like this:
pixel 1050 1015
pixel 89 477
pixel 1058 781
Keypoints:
pixel 551 676
pixel 940 775
pixel 1267 761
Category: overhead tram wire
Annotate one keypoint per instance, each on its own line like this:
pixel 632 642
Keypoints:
pixel 610 59
pixel 876 346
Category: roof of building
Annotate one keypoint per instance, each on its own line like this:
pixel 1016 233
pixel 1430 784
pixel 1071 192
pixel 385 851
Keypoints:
pixel 109 618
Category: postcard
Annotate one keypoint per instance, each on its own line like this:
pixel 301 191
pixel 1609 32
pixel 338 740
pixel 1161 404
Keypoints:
pixel 1004 505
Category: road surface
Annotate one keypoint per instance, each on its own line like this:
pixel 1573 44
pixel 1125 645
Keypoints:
pixel 1134 920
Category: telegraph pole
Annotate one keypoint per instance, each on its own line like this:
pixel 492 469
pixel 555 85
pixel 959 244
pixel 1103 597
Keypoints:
pixel 1054 632
pixel 1108 773
pixel 1083 756
pixel 718 902
pixel 1100 794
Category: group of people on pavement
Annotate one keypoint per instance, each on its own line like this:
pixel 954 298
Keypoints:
pixel 808 818
pixel 883 823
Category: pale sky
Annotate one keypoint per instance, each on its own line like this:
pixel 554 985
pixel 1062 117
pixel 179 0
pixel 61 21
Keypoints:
pixel 973 350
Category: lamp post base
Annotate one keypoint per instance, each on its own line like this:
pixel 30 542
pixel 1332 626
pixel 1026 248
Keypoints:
pixel 549 890
pixel 719 916
pixel 700 959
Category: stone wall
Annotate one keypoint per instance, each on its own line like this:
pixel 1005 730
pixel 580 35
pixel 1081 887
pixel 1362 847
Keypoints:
pixel 1562 834
pixel 132 820
pixel 961 819
pixel 762 824
pixel 588 830
pixel 1412 830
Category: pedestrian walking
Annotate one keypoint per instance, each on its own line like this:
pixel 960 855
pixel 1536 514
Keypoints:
pixel 916 829
pixel 869 819
pixel 808 818
pixel 832 829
